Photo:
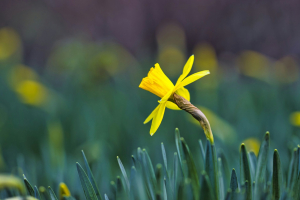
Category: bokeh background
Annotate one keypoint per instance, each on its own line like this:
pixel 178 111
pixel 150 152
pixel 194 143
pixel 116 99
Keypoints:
pixel 70 70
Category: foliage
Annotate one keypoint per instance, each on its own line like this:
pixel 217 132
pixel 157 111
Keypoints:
pixel 258 179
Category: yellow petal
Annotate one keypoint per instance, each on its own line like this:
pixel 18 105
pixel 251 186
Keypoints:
pixel 184 93
pixel 165 79
pixel 158 118
pixel 167 96
pixel 152 115
pixel 186 70
pixel 172 105
pixel 193 78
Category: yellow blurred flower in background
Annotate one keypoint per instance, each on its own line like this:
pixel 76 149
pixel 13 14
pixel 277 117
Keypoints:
pixel 63 191
pixel 255 65
pixel 10 42
pixel 295 118
pixel 286 70
pixel 20 73
pixel 252 144
pixel 171 48
pixel 32 92
pixel 159 84
pixel 206 58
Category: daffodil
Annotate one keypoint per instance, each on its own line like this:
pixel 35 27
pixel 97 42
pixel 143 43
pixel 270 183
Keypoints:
pixel 159 84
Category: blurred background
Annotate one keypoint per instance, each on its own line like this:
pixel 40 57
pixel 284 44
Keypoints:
pixel 70 70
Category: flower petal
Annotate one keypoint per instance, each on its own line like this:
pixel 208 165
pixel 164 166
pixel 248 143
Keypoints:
pixel 193 78
pixel 157 118
pixel 172 105
pixel 167 96
pixel 165 79
pixel 184 93
pixel 186 70
pixel 151 115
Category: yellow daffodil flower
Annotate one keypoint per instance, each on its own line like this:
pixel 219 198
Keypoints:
pixel 159 84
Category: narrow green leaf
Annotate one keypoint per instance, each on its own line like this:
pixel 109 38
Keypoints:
pixel 36 193
pixel 294 176
pixel 52 194
pixel 192 171
pixel 228 195
pixel 159 179
pixel 221 180
pixel 234 186
pixel 175 174
pixel 277 176
pixel 211 167
pixel 180 152
pixel 165 190
pixel 133 160
pixel 245 171
pixel 120 195
pixel 260 172
pixel 163 150
pixel 91 177
pixel 28 187
pixel 202 149
pixel 86 184
pixel 252 164
pixel 124 173
pixel 206 191
pixel 226 170
pixel 149 172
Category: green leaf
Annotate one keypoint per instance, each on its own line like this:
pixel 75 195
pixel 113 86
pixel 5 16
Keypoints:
pixel 206 191
pixel 192 171
pixel 120 195
pixel 226 169
pixel 221 180
pixel 294 176
pixel 234 186
pixel 159 179
pixel 245 171
pixel 253 163
pixel 52 194
pixel 91 177
pixel 165 190
pixel 277 176
pixel 260 172
pixel 180 152
pixel 86 184
pixel 175 174
pixel 202 150
pixel 133 160
pixel 149 172
pixel 28 186
pixel 228 195
pixel 124 173
pixel 164 158
pixel 36 193
pixel 211 167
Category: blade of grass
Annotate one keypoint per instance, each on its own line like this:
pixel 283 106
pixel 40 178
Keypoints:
pixel 91 177
pixel 124 173
pixel 277 176
pixel 86 184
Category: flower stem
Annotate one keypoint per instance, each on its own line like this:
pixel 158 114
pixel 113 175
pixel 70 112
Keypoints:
pixel 185 105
